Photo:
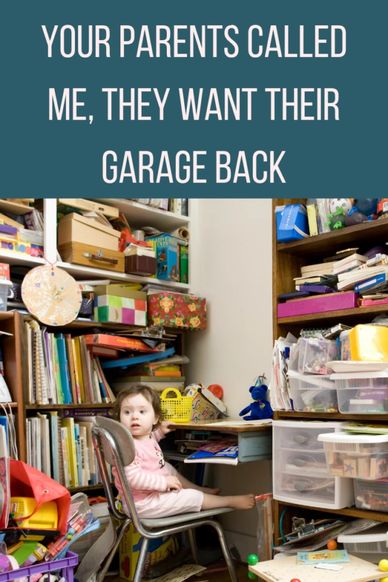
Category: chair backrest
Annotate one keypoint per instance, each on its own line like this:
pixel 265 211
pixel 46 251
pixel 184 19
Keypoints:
pixel 114 445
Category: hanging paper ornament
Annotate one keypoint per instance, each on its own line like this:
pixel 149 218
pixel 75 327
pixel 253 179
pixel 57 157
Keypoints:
pixel 51 295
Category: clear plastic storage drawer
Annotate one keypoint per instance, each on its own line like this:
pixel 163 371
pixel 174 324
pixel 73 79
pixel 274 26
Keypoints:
pixel 312 393
pixel 362 392
pixel 300 473
pixel 356 455
pixel 371 494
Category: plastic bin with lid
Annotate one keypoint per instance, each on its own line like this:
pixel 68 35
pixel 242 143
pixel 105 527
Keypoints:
pixel 371 494
pixel 364 456
pixel 371 545
pixel 362 392
pixel 312 393
pixel 300 474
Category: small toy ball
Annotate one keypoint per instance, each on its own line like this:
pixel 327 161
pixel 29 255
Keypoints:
pixel 383 565
pixel 331 545
pixel 252 559
pixel 295 580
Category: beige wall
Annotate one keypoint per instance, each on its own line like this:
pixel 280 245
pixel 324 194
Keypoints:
pixel 231 265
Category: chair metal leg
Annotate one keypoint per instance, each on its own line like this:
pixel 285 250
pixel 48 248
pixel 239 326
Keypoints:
pixel 225 551
pixel 193 544
pixel 140 563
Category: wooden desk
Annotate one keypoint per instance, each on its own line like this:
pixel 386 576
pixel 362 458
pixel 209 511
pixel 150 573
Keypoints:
pixel 284 569
pixel 254 440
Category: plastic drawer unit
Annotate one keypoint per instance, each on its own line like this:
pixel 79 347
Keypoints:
pixel 300 474
pixel 371 545
pixel 371 494
pixel 362 392
pixel 311 393
pixel 364 456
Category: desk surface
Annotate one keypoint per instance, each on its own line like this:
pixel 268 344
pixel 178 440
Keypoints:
pixel 284 569
pixel 231 426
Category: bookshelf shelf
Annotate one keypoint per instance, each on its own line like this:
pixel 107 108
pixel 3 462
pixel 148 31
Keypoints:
pixel 84 406
pixel 288 258
pixel 347 511
pixel 330 242
pixel 142 215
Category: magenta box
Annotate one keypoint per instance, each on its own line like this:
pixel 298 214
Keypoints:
pixel 318 304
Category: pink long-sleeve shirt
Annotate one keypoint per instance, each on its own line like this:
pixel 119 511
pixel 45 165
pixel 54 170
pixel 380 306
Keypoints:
pixel 147 473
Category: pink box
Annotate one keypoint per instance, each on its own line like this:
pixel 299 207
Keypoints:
pixel 318 304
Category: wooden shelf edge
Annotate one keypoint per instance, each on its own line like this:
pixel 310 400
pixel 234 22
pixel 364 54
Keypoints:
pixel 295 415
pixel 346 511
pixel 90 406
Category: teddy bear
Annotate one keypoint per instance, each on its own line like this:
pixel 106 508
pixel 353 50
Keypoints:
pixel 260 408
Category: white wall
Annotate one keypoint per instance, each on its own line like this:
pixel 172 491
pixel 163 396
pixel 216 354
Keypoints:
pixel 231 265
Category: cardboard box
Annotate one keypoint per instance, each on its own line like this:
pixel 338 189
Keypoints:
pixel 120 290
pixel 180 310
pixel 77 228
pixel 120 310
pixel 167 256
pixel 159 549
pixel 202 409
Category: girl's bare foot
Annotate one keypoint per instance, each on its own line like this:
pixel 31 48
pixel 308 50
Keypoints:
pixel 240 501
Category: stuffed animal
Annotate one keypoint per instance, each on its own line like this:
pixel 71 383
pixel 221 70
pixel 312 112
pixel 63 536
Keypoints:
pixel 260 408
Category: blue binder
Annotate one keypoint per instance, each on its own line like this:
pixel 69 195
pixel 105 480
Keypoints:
pixel 126 362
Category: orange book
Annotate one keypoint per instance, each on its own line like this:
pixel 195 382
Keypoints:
pixel 116 341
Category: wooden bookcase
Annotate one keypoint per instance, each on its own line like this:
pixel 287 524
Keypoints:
pixel 287 261
pixel 14 347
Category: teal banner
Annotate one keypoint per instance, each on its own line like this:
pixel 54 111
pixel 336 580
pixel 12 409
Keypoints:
pixel 193 99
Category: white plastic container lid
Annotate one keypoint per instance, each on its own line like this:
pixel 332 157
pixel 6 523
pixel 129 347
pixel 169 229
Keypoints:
pixel 359 375
pixel 364 538
pixel 5 282
pixel 344 437
pixel 318 381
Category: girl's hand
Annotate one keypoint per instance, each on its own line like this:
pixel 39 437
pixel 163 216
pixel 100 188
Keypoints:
pixel 173 483
pixel 164 427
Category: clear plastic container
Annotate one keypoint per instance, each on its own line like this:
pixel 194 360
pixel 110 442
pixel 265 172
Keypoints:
pixel 362 392
pixel 371 494
pixel 312 393
pixel 300 474
pixel 363 456
pixel 371 545
pixel 314 353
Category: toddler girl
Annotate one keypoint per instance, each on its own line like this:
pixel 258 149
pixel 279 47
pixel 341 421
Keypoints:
pixel 158 489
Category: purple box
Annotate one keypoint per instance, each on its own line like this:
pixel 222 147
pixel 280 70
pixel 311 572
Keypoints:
pixel 318 304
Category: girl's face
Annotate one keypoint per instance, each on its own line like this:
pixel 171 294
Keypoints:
pixel 138 416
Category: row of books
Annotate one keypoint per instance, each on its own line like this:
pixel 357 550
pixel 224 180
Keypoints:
pixel 62 448
pixel 61 369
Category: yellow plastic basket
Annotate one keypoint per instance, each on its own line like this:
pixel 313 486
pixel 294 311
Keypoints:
pixel 177 408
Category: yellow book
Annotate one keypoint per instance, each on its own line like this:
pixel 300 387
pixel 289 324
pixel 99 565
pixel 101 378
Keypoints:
pixel 73 466
pixel 78 370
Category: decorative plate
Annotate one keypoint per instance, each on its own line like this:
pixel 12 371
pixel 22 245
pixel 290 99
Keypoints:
pixel 51 295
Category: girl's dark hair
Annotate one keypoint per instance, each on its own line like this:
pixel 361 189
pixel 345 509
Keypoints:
pixel 144 390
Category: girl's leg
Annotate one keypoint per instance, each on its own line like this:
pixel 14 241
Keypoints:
pixel 234 501
pixel 186 484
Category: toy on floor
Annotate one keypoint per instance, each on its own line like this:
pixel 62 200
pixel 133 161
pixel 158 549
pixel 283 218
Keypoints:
pixel 252 560
pixel 260 408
